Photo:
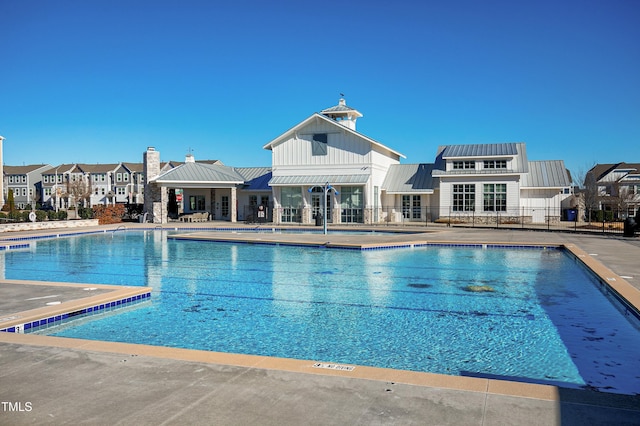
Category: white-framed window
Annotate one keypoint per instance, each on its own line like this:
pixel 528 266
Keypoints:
pixel 495 164
pixel 464 197
pixel 464 165
pixel 495 197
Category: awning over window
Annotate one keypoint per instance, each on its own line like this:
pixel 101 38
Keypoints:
pixel 319 180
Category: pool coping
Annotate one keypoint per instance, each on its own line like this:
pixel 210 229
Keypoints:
pixel 474 384
pixel 115 297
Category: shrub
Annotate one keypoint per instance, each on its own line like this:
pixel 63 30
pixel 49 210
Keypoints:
pixel 85 213
pixel 40 215
pixel 54 215
pixel 108 214
pixel 15 215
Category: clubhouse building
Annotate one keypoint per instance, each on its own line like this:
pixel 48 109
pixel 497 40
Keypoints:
pixel 324 159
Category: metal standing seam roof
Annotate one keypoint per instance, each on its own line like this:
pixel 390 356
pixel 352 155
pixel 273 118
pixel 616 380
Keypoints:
pixel 479 150
pixel 448 152
pixel 409 178
pixel 255 178
pixel 546 174
pixel 200 173
pixel 341 107
pixel 318 180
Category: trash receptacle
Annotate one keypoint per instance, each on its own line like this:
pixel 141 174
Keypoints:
pixel 319 219
pixel 572 214
pixel 630 226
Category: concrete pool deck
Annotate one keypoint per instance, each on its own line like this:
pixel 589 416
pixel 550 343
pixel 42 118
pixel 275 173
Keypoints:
pixel 54 380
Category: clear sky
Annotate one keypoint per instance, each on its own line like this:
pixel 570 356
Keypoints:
pixel 97 81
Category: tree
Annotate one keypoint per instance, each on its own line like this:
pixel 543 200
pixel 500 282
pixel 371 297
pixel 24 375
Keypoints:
pixel 589 194
pixel 11 201
pixel 78 190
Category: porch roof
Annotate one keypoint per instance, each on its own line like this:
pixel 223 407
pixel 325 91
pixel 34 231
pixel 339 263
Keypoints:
pixel 200 173
pixel 319 180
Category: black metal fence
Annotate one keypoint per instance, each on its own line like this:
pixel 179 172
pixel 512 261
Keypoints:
pixel 534 218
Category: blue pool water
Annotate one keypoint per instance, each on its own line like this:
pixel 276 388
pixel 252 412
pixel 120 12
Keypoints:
pixel 545 320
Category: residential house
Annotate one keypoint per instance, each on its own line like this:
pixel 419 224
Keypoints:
pixel 26 184
pixel 54 185
pixel 616 188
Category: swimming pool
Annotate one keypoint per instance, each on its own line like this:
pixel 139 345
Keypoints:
pixel 524 314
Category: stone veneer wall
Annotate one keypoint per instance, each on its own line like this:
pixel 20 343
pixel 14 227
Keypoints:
pixel 54 224
pixel 155 197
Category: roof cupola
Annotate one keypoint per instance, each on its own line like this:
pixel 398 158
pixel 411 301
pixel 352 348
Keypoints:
pixel 343 114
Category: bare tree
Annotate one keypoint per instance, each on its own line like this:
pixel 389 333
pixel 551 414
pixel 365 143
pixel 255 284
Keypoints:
pixel 621 197
pixel 589 195
pixel 78 190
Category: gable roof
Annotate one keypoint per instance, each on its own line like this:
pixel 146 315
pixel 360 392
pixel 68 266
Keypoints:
pixel 409 179
pixel 97 168
pixel 600 171
pixel 317 116
pixel 200 173
pixel 546 174
pixel 61 169
pixel 23 170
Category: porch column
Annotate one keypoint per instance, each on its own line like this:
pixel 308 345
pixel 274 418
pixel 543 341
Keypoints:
pixel 234 205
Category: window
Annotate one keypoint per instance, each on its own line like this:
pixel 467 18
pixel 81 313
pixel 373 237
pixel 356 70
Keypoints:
pixel 120 190
pixel 253 200
pixel 125 177
pixel 118 177
pixel 24 179
pixel 495 164
pixel 495 197
pixel 196 202
pixel 319 144
pixel 464 197
pixel 464 165
pixel 352 204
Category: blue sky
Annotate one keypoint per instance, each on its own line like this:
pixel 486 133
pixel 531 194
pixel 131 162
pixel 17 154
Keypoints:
pixel 98 81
